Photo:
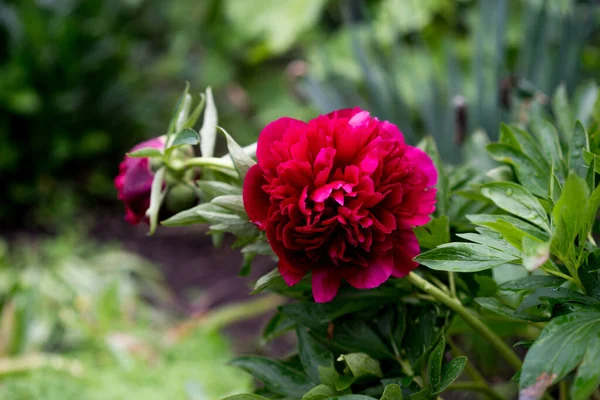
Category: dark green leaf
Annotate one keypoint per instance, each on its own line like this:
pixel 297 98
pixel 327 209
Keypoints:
pixel 494 305
pixel 588 374
pixel 589 275
pixel 562 346
pixel 436 232
pixel 312 355
pixel 464 257
pixel 277 377
pixel 551 296
pixel 352 397
pixel 357 336
pixel 246 397
pixel 424 394
pixel 518 201
pixel 451 372
pixel 277 325
pixel 361 364
pixel 392 392
pixel 528 172
pixel 435 363
pixel 550 144
pixel 240 158
pixel 531 283
pixel 423 336
pixel 145 152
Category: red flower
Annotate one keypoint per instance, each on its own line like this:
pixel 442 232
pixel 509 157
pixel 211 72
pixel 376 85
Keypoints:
pixel 338 196
pixel 134 182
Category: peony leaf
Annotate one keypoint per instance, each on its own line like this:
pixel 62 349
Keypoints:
pixel 564 343
pixel 464 257
pixel 320 392
pixel 392 392
pixel 246 397
pixel 208 132
pixel 185 136
pixel 517 200
pixel 145 152
pixel 312 355
pixel 217 188
pixel 157 195
pixel 578 143
pixel 276 377
pixel 450 373
pixel 563 111
pixel 435 363
pixel 231 202
pixel 360 364
pixel 240 158
pixel 191 121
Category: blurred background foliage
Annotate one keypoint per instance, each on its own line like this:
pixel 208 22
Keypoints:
pixel 83 81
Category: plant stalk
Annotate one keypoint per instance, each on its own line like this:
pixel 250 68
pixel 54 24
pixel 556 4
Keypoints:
pixel 468 317
pixel 475 387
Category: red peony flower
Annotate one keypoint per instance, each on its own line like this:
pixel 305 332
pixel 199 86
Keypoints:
pixel 134 182
pixel 338 197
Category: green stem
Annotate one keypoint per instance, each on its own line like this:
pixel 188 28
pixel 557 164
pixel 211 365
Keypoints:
pixel 452 284
pixel 475 387
pixel 218 164
pixel 468 317
pixel 13 365
pixel 469 368
pixel 562 390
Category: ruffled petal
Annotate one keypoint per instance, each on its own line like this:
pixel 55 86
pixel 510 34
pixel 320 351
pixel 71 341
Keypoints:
pixel 424 163
pixel 377 272
pixel 256 201
pixel 325 284
pixel 407 248
pixel 268 136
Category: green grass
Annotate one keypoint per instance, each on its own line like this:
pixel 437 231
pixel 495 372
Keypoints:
pixel 193 369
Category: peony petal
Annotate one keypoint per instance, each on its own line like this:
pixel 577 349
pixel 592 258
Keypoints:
pixel 325 284
pixel 290 268
pixel 407 248
pixel 344 113
pixel 377 272
pixel 424 163
pixel 268 136
pixel 256 201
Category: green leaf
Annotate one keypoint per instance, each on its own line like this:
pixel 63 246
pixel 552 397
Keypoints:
pixel 525 143
pixel 178 111
pixel 191 216
pixel 543 300
pixel 429 146
pixel 276 377
pixel 550 145
pixel 591 158
pixel 246 397
pixel 535 253
pixel 392 392
pixel 277 326
pixel 240 158
pixel 518 201
pixel 586 98
pixel 186 136
pixel 587 378
pixel 357 336
pixel 352 397
pixel 191 121
pixel 464 257
pixel 267 280
pixel 436 232
pixel 145 152
pixel 563 111
pixel 494 305
pixel 562 345
pixel 577 144
pixel 312 355
pixel 231 202
pixel 424 394
pixel 157 195
pixel 422 336
pixel 491 239
pixel 531 283
pixel 510 229
pixel 435 363
pixel 450 373
pixel 216 188
pixel 320 392
pixel 589 274
pixel 569 218
pixel 208 132
pixel 360 364
pixel 528 172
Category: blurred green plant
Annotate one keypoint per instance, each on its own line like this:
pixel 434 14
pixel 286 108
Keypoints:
pixel 456 66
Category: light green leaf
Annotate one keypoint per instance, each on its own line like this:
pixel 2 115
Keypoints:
pixel 563 111
pixel 208 132
pixel 361 364
pixel 191 216
pixel 550 145
pixel 269 279
pixel 585 99
pixel 392 392
pixel 240 158
pixel 157 195
pixel 231 202
pixel 217 188
pixel 191 121
pixel 525 143
pixel 246 397
pixel 464 257
pixel 510 228
pixel 185 136
pixel 518 201
pixel 562 345
pixel 145 152
pixel 320 392
pixel 535 253
pixel 577 144
pixel 492 239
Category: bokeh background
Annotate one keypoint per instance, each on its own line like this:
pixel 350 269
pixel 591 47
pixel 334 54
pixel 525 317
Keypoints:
pixel 93 308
